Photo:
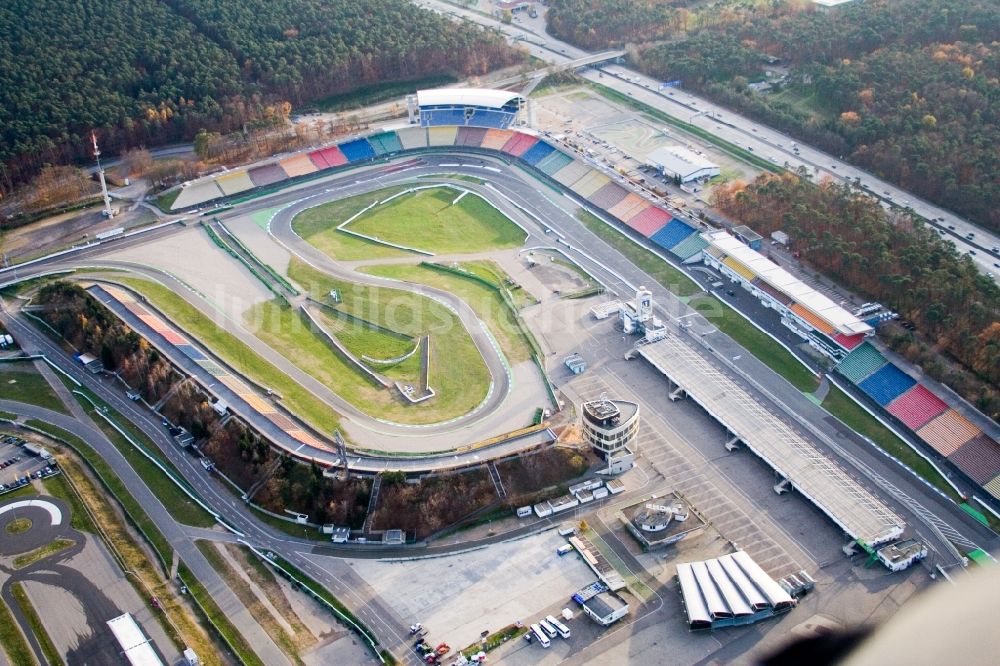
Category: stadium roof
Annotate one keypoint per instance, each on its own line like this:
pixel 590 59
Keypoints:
pixel 465 97
pixel 824 308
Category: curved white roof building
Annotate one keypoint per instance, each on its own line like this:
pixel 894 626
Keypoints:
pixel 471 107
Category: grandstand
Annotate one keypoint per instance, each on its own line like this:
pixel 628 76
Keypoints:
pixel 804 310
pixel 475 107
pixel 916 407
pixel 887 384
pixel 945 430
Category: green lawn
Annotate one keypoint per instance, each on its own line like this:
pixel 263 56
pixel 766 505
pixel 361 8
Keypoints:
pixel 318 226
pixel 238 355
pixel 166 200
pixel 12 640
pixel 485 302
pixel 458 372
pixel 756 342
pixel 427 220
pixel 848 411
pixel 30 387
pixel 35 622
pixel 665 274
pixel 362 340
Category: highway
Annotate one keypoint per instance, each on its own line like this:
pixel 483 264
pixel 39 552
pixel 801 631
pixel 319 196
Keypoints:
pixel 762 140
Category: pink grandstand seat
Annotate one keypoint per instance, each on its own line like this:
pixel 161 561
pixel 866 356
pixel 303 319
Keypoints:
pixel 916 407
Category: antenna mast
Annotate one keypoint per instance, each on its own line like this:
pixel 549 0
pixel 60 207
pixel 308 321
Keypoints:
pixel 107 212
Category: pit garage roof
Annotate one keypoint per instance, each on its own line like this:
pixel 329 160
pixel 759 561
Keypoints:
pixel 776 276
pixel 851 506
pixel 465 97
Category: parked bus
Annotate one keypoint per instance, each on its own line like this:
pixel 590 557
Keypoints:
pixel 548 628
pixel 540 636
pixel 559 626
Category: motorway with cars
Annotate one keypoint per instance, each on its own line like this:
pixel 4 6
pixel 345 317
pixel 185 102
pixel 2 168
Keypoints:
pixel 982 246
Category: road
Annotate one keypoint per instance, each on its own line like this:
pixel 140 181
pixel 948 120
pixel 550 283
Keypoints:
pixel 983 246
pixel 517 192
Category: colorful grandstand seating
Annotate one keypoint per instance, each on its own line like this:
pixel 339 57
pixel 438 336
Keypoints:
pixel 861 362
pixel 412 137
pixel 488 118
pixel 916 407
pixel 495 139
pixel 776 294
pixel 442 136
pixel 650 220
pixel 326 158
pixel 470 136
pixel 519 144
pixel 234 182
pixel 887 384
pixel 385 142
pixel 608 196
pixel 626 209
pixel 553 162
pixel 741 270
pixel 537 153
pixel 947 432
pixel 810 317
pixel 196 193
pixel 298 165
pixel 979 458
pixel 689 247
pixel 571 173
pixel 589 183
pixel 439 117
pixel 993 487
pixel 357 150
pixel 849 342
pixel 267 175
pixel 673 233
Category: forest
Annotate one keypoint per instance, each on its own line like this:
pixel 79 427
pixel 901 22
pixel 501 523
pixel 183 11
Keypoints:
pixel 606 23
pixel 148 72
pixel 907 89
pixel 892 258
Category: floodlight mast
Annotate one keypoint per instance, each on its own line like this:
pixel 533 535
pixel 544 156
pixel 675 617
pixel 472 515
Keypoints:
pixel 107 212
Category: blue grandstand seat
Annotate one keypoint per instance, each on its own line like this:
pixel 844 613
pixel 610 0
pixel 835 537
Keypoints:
pixel 672 234
pixel 449 116
pixel 887 384
pixel 357 150
pixel 488 118
pixel 537 152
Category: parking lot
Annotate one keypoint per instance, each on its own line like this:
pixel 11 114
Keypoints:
pixel 18 465
pixel 458 597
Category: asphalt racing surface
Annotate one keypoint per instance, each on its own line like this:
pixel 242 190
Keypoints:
pixel 539 208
